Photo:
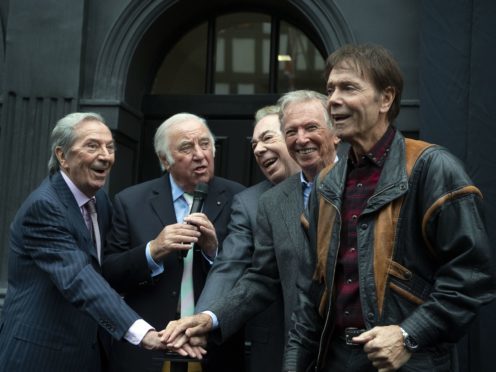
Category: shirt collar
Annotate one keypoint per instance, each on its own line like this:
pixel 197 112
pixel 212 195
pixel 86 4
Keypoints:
pixel 304 181
pixel 377 155
pixel 81 198
pixel 177 191
pixel 308 183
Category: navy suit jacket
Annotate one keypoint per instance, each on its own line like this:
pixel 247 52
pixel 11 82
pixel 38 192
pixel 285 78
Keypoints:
pixel 140 213
pixel 56 297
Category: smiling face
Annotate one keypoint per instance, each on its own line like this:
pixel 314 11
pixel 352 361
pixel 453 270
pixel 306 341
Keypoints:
pixel 358 111
pixel 309 139
pixel 90 158
pixel 192 150
pixel 270 150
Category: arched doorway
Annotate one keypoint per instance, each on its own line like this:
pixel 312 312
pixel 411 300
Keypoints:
pixel 132 63
pixel 224 69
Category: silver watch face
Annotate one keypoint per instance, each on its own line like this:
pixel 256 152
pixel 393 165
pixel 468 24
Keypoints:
pixel 410 344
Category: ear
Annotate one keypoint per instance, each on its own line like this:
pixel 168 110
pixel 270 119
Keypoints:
pixel 164 162
pixel 387 98
pixel 59 153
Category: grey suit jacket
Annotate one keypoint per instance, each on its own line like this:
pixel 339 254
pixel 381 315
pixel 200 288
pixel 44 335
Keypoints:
pixel 265 331
pixel 279 241
pixel 56 298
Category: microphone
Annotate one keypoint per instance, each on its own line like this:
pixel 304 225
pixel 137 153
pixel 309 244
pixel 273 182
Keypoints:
pixel 199 196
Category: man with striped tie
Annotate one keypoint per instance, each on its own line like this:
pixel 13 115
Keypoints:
pixel 57 302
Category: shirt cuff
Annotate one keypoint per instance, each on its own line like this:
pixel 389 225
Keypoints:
pixel 208 258
pixel 137 331
pixel 155 268
pixel 215 321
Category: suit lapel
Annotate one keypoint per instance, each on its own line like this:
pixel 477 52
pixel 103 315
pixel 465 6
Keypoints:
pixel 161 196
pixel 102 210
pixel 215 201
pixel 74 214
pixel 291 206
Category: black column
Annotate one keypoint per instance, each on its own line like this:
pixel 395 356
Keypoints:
pixel 458 110
pixel 41 83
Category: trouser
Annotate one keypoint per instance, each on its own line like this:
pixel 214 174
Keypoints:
pixel 347 358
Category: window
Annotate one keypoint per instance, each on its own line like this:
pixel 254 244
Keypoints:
pixel 241 53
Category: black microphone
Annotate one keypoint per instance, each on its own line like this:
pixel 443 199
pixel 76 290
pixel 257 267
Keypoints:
pixel 199 196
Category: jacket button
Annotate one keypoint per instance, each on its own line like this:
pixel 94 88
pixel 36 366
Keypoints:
pixel 370 317
pixel 364 226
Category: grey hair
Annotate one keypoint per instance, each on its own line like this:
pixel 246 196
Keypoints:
pixel 266 111
pixel 63 135
pixel 162 138
pixel 299 96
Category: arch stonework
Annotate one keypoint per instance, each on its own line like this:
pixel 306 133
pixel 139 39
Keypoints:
pixel 115 59
pixel 138 41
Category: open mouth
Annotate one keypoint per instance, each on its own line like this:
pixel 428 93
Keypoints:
pixel 267 163
pixel 338 118
pixel 100 171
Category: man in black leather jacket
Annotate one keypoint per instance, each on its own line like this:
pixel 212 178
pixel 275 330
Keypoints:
pixel 399 256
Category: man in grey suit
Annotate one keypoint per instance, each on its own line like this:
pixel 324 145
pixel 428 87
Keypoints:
pixel 57 301
pixel 279 238
pixel 265 332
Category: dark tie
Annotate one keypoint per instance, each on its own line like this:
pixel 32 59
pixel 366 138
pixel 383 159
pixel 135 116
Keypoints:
pixel 90 207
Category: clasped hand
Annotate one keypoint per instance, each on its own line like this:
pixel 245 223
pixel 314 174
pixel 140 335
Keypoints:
pixel 188 335
pixel 154 340
pixel 196 228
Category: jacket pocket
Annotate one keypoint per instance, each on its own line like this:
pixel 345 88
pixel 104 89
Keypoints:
pixel 41 337
pixel 407 284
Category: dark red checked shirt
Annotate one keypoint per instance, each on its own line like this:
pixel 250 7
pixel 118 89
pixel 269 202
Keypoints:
pixel 361 181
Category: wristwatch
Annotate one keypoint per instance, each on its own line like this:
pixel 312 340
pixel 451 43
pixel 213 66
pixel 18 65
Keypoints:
pixel 408 342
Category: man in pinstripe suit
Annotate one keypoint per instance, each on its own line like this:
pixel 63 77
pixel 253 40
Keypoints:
pixel 57 301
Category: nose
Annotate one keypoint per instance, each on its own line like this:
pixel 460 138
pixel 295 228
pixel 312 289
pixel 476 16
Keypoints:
pixel 333 98
pixel 105 153
pixel 301 136
pixel 259 149
pixel 198 152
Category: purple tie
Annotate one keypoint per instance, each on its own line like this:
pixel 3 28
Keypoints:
pixel 90 207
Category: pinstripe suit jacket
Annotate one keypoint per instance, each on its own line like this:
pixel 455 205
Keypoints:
pixel 279 243
pixel 56 297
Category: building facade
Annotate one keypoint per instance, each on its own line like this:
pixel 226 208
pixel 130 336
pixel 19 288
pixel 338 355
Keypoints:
pixel 138 62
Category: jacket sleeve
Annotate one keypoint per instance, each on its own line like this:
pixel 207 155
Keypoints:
pixel 259 285
pixel 303 343
pixel 233 259
pixel 455 233
pixel 54 246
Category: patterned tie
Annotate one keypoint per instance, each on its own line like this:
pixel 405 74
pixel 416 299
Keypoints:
pixel 90 207
pixel 187 294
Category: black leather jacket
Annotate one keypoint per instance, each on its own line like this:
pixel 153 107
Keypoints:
pixel 428 270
